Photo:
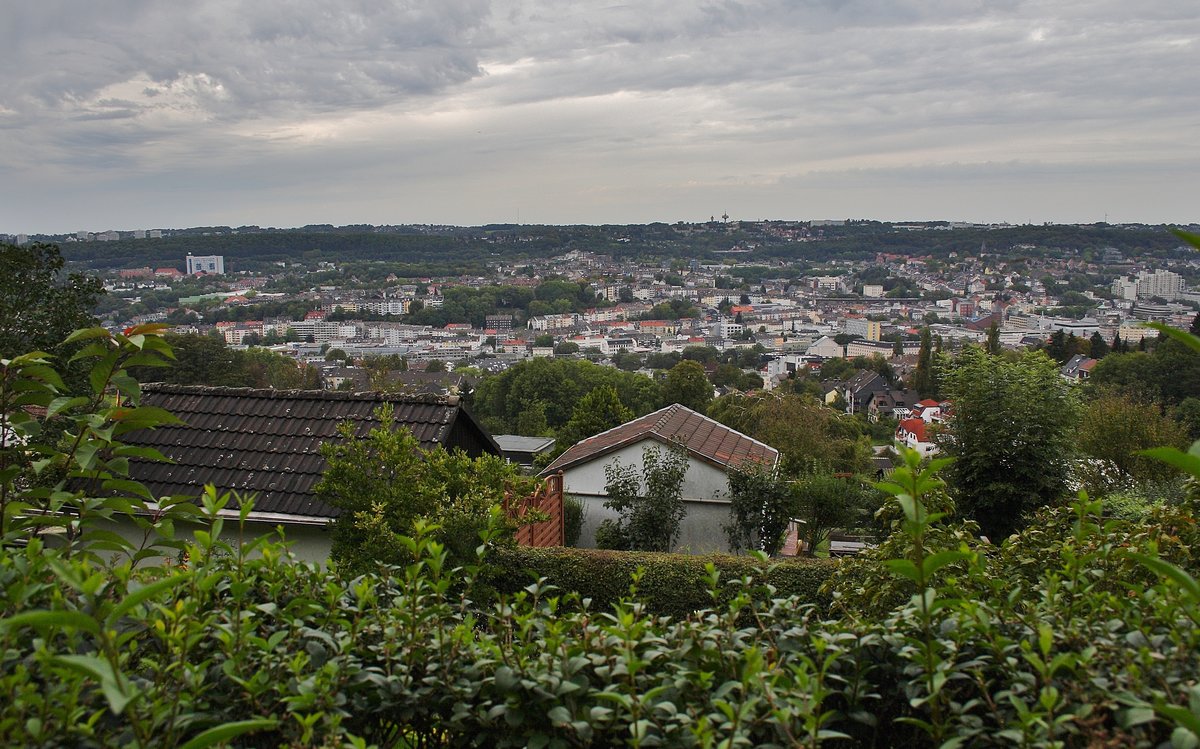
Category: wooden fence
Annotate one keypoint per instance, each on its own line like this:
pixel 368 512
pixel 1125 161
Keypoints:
pixel 548 499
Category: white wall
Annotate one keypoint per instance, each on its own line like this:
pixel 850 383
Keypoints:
pixel 705 489
pixel 309 543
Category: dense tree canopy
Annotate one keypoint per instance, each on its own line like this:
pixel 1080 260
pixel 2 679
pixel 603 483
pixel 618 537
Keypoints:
pixel 39 306
pixel 687 385
pixel 208 360
pixel 809 436
pixel 1011 434
pixel 596 412
pixel 540 395
pixel 1113 429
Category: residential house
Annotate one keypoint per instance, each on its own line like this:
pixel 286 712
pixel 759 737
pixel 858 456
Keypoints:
pixel 266 444
pixel 891 404
pixel 1079 367
pixel 712 450
pixel 914 434
pixel 860 389
pixel 931 411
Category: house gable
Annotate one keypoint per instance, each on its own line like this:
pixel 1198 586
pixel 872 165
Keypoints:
pixel 704 438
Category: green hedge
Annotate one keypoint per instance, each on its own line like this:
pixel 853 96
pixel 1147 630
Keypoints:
pixel 671 584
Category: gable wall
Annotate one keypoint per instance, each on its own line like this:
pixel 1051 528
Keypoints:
pixel 704 492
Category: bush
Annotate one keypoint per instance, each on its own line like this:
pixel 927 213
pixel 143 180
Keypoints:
pixel 574 514
pixel 670 584
pixel 1077 631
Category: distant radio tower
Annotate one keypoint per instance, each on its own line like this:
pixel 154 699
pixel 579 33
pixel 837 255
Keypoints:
pixel 725 217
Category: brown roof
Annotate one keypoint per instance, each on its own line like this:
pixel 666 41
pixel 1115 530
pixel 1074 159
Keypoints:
pixel 703 437
pixel 268 441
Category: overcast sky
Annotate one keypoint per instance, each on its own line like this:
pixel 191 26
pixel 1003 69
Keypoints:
pixel 132 114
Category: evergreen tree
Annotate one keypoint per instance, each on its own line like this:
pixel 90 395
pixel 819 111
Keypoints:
pixel 923 377
pixel 1056 349
pixel 1099 346
pixel 993 339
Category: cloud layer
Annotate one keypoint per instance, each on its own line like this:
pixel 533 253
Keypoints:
pixel 153 113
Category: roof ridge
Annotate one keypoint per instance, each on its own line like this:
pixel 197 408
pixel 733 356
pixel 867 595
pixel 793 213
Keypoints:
pixel 728 429
pixel 296 393
pixel 668 412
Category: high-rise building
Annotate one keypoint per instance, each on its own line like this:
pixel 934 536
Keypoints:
pixel 213 265
pixel 1160 283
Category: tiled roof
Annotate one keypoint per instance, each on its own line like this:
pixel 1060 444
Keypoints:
pixel 915 426
pixel 267 441
pixel 704 438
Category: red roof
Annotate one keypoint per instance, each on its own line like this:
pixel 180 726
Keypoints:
pixel 928 402
pixel 916 426
pixel 703 437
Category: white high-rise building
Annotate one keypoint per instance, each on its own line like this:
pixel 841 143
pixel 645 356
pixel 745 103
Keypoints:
pixel 213 265
pixel 1160 283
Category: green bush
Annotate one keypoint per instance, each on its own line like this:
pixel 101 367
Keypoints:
pixel 1077 631
pixel 670 584
pixel 574 513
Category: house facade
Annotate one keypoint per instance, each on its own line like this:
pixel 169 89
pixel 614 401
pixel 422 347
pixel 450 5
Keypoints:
pixel 712 450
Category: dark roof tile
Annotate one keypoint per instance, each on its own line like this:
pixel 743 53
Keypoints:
pixel 268 441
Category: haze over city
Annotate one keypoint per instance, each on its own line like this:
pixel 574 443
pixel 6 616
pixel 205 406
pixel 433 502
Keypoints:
pixel 154 114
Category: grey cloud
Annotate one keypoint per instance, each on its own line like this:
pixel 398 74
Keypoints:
pixel 666 94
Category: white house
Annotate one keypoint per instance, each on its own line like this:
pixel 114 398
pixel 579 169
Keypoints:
pixel 712 450
pixel 914 434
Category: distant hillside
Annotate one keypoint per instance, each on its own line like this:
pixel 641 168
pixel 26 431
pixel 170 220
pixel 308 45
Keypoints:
pixel 454 249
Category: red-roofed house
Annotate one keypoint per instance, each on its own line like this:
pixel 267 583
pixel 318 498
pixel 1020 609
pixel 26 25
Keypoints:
pixel 712 450
pixel 929 410
pixel 914 433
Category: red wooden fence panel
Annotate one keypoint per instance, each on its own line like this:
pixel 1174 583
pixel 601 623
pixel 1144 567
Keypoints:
pixel 548 498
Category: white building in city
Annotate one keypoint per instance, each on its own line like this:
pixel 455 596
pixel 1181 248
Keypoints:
pixel 213 265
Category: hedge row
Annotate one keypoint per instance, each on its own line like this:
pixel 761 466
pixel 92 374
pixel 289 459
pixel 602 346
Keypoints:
pixel 671 584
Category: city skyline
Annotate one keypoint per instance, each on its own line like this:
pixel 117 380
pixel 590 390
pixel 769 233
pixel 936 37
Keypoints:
pixel 149 115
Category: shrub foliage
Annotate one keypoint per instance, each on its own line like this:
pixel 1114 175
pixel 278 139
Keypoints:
pixel 1077 631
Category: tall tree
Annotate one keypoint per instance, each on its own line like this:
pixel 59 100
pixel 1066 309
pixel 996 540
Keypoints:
pixel 199 360
pixel 1011 434
pixel 1056 349
pixel 39 306
pixel 687 385
pixel 596 412
pixel 1099 346
pixel 993 339
pixel 1113 429
pixel 808 435
pixel 924 379
pixel 557 384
